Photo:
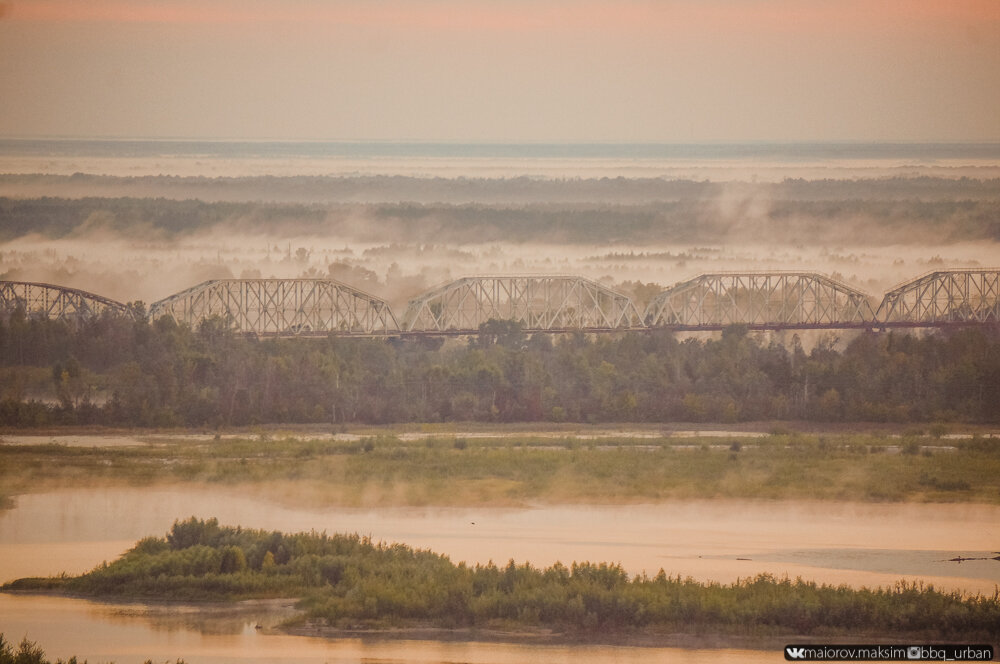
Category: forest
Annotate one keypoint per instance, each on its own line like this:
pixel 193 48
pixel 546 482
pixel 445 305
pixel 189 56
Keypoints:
pixel 487 190
pixel 117 371
pixel 696 213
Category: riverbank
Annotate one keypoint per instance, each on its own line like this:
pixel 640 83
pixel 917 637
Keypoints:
pixel 67 627
pixel 217 621
pixel 501 429
pixel 702 640
pixel 210 616
pixel 437 467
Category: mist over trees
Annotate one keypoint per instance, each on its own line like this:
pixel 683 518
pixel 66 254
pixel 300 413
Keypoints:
pixel 114 371
pixel 643 231
pixel 619 210
pixel 486 190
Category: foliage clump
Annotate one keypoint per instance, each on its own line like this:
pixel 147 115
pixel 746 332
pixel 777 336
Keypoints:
pixel 29 652
pixel 350 581
pixel 122 372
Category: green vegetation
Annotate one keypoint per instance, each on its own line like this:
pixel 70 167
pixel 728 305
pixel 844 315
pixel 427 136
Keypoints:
pixel 351 582
pixel 118 372
pixel 28 652
pixel 520 468
pixel 584 211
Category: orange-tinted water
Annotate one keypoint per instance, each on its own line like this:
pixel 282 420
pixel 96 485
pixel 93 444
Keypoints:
pixel 857 544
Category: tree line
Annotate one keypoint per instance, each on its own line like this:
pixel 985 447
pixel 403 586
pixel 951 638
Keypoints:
pixel 120 372
pixel 808 217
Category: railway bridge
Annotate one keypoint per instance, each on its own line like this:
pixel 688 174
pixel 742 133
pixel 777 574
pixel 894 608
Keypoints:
pixel 54 302
pixel 943 297
pixel 542 303
pixel 761 301
pixel 546 303
pixel 281 307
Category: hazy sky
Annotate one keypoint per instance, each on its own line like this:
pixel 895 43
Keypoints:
pixel 502 70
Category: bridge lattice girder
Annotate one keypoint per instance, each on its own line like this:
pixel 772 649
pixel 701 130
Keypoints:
pixel 546 302
pixel 280 307
pixel 55 302
pixel 947 296
pixel 763 300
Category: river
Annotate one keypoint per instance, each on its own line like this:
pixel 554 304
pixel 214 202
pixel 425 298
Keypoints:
pixel 857 544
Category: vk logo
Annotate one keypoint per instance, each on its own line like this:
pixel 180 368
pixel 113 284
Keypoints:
pixel 794 653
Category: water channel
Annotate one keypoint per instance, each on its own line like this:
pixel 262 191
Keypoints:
pixel 857 544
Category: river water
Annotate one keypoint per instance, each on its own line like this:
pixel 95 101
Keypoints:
pixel 856 544
pixel 124 633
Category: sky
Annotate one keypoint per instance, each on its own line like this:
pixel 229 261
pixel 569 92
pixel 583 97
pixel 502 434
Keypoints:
pixel 502 70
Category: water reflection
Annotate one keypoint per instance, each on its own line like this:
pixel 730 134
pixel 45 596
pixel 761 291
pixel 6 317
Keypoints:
pixel 953 563
pixel 131 633
pixel 858 544
pixel 74 530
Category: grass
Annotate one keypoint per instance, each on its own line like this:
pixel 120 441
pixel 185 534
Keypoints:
pixel 524 468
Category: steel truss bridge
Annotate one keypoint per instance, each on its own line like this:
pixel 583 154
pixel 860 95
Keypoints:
pixel 281 307
pixel 944 297
pixel 56 302
pixel 760 300
pixel 543 303
pixel 546 303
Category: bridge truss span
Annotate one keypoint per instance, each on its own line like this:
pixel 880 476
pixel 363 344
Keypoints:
pixel 281 307
pixel 760 300
pixel 538 303
pixel 55 302
pixel 944 297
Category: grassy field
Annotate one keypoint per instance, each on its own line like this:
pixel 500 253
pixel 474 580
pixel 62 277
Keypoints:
pixel 520 468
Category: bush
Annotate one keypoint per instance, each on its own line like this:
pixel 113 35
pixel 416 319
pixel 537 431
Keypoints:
pixel 351 578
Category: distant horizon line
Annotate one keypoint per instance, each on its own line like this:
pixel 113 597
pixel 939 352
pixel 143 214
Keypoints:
pixel 497 142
